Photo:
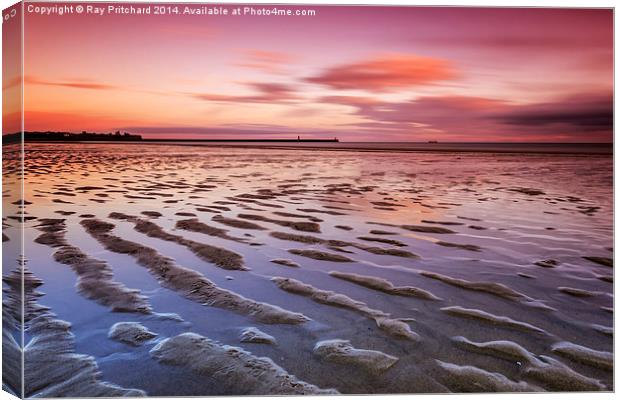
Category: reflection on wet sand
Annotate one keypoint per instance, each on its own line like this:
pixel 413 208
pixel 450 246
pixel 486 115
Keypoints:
pixel 273 271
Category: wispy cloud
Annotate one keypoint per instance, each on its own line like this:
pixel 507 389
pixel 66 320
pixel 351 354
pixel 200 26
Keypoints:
pixel 265 93
pixel 75 84
pixel 272 62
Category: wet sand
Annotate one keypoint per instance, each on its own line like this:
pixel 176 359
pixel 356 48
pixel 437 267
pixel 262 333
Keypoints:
pixel 196 270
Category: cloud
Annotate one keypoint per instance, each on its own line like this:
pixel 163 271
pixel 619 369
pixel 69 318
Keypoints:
pixel 484 119
pixel 75 84
pixel 426 110
pixel 586 117
pixel 265 93
pixel 272 62
pixel 387 73
pixel 586 112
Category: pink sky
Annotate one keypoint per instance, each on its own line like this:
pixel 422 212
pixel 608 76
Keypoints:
pixel 358 73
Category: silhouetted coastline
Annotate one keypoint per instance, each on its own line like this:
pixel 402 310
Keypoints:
pixel 70 137
pixel 125 136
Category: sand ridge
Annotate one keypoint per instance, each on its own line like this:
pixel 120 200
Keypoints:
pixel 95 278
pixel 238 370
pixel 394 327
pixel 52 367
pixel 188 282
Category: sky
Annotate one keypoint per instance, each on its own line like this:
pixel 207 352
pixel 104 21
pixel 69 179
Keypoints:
pixel 356 73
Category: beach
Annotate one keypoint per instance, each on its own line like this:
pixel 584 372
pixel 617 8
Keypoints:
pixel 202 270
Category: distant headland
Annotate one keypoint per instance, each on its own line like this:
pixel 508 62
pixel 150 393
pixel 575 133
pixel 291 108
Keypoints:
pixel 71 137
pixel 119 136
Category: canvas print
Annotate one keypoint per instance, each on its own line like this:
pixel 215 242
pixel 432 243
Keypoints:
pixel 250 199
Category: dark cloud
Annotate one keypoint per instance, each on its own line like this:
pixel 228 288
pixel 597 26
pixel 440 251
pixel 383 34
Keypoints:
pixel 483 119
pixel 582 113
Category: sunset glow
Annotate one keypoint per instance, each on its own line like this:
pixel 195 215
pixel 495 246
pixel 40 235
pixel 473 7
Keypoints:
pixel 358 73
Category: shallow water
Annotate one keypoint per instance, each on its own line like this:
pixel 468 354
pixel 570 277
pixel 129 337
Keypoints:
pixel 518 209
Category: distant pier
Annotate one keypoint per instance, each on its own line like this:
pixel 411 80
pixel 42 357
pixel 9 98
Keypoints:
pixel 334 140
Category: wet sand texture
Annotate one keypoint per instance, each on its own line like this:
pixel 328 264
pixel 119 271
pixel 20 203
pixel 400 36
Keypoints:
pixel 342 352
pixel 194 225
pixel 392 242
pixel 238 370
pixel 95 279
pixel 131 333
pixel 605 330
pixel 255 335
pixel 584 355
pixel 394 327
pixel 320 255
pixel 302 226
pixel 418 228
pixel 497 320
pixel 576 292
pixel 52 368
pixel 285 262
pixel 237 223
pixel 338 245
pixel 190 283
pixel 549 372
pixel 471 379
pixel 219 256
pixel 496 289
pixel 468 247
pixel 607 262
pixel 384 285
pixel 391 254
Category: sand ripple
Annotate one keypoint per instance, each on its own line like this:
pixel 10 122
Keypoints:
pixel 190 283
pixel 239 371
pixel 392 326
